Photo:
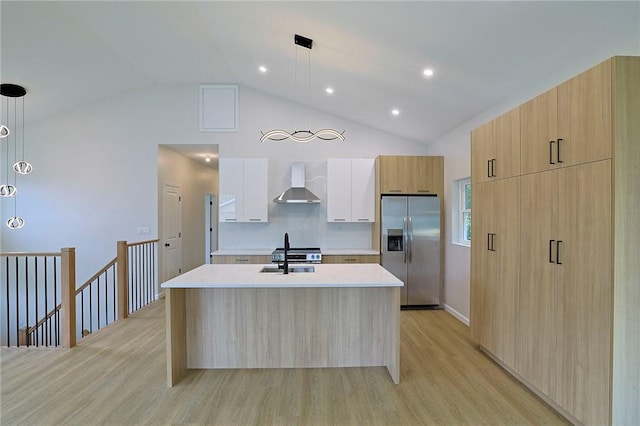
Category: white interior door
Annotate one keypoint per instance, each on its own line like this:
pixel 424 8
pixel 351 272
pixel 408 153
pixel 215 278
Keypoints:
pixel 171 231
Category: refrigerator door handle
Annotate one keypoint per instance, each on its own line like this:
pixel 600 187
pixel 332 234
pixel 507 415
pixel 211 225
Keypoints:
pixel 404 238
pixel 410 245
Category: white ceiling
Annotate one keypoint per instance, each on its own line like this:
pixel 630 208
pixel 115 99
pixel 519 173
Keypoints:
pixel 72 54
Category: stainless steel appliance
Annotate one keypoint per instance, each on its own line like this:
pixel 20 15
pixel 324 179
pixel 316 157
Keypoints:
pixel 411 247
pixel 297 193
pixel 297 255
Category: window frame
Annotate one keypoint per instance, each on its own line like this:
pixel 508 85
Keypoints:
pixel 460 212
pixel 463 211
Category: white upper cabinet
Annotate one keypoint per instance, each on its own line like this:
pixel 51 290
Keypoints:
pixel 243 190
pixel 350 190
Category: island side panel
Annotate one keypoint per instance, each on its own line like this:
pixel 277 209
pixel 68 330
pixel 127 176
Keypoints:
pixel 176 328
pixel 393 333
pixel 290 328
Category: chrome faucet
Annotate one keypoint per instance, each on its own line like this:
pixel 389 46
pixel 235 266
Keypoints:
pixel 286 249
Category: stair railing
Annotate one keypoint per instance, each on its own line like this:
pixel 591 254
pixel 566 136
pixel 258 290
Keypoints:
pixel 122 286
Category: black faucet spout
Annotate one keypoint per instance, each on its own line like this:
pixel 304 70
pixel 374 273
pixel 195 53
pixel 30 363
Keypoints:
pixel 286 251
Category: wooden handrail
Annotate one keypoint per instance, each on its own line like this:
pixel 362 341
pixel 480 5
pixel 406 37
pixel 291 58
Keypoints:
pixel 28 254
pixel 139 243
pixel 43 320
pixel 96 275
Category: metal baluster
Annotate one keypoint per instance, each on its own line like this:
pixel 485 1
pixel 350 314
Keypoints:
pixel 138 276
pixel 36 273
pixel 82 313
pixel 26 293
pixel 7 285
pixel 55 301
pixel 17 303
pixel 113 275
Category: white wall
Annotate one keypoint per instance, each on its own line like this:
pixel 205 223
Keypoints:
pixel 96 170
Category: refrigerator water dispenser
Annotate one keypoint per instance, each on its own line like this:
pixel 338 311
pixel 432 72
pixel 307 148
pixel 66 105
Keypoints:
pixel 394 239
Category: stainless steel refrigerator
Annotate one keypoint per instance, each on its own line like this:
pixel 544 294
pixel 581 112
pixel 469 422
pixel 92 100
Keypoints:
pixel 411 247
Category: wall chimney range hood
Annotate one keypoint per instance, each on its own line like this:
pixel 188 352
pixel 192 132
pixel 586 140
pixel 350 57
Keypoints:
pixel 298 193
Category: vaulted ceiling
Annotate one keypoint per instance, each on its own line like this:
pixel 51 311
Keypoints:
pixel 72 54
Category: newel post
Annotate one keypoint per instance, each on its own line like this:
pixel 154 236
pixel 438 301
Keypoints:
pixel 68 275
pixel 123 272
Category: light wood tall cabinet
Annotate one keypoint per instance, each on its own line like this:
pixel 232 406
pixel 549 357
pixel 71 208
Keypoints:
pixel 495 148
pixel 496 222
pixel 564 323
pixel 577 287
pixel 568 125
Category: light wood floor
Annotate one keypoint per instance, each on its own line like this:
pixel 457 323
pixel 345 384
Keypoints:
pixel 118 376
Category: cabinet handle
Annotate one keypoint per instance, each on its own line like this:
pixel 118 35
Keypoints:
pixel 423 190
pixel 395 190
pixel 350 259
pixel 559 159
pixel 558 252
pixel 410 234
pixel 363 220
pixel 488 241
pixel 488 168
pixel 254 220
pixel 551 152
pixel 230 220
pixel 493 167
pixel 493 240
pixel 338 219
pixel 551 251
pixel 405 231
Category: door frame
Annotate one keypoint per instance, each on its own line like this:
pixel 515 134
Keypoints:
pixel 210 226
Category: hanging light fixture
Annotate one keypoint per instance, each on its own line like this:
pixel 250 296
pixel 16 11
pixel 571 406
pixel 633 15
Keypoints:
pixel 14 92
pixel 302 135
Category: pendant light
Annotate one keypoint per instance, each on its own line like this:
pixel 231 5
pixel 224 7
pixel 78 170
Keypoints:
pixel 302 135
pixel 9 132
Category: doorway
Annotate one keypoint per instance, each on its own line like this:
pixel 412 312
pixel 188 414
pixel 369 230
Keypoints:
pixel 171 230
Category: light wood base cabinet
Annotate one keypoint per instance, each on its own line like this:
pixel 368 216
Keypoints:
pixel 360 258
pixel 577 303
pixel 245 259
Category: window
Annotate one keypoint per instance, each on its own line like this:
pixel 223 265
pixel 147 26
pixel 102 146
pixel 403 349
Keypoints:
pixel 462 211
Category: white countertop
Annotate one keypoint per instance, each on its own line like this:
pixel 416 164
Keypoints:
pixel 248 276
pixel 325 251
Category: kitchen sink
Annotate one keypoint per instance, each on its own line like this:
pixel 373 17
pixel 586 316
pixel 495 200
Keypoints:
pixel 292 269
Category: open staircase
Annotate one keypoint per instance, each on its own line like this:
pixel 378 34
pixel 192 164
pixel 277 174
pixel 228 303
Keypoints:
pixel 41 306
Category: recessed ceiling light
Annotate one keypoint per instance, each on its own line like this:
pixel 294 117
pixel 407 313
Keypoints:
pixel 262 69
pixel 208 159
pixel 329 90
pixel 428 72
pixel 395 111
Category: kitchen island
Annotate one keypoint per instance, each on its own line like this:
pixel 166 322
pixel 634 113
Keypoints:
pixel 234 316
